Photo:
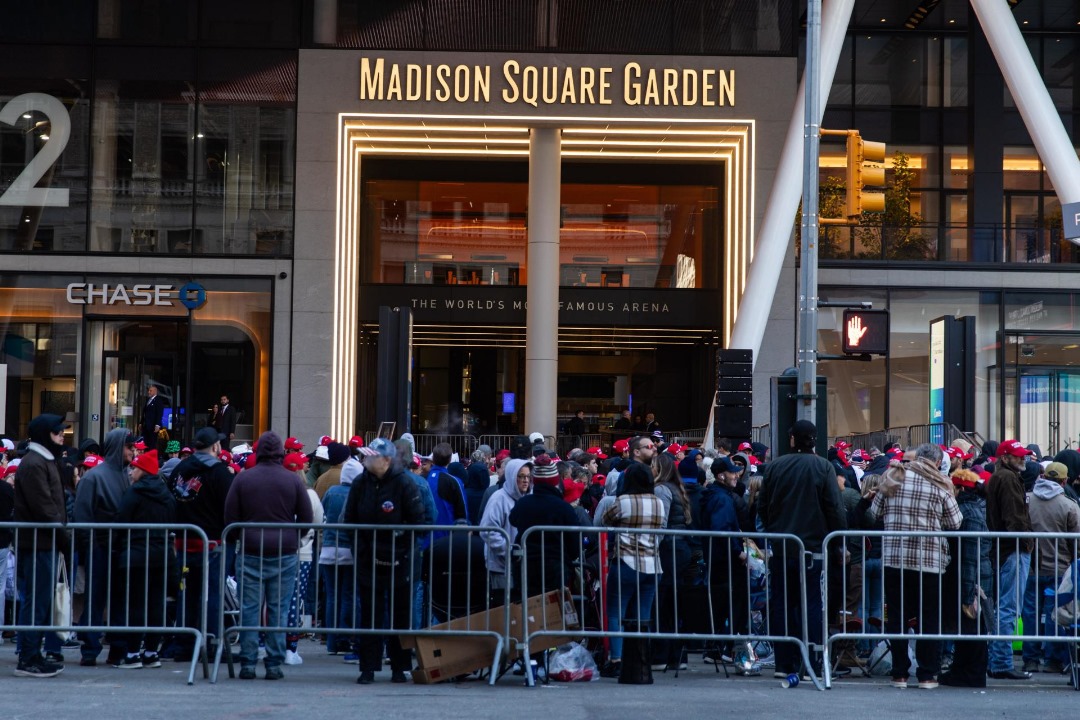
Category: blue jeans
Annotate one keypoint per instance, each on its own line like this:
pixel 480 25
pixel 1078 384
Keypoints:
pixel 36 573
pixel 1038 613
pixel 268 581
pixel 871 603
pixel 627 591
pixel 340 584
pixel 1012 581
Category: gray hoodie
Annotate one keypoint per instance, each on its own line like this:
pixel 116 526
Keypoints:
pixel 497 514
pixel 1051 510
pixel 99 491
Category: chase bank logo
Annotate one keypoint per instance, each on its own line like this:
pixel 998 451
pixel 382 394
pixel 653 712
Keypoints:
pixel 192 295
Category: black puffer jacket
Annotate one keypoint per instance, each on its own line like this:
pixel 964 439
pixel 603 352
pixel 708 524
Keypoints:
pixel 146 501
pixel 391 500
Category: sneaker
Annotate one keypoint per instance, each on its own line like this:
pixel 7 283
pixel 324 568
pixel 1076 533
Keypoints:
pixel 366 678
pixel 660 667
pixel 351 659
pixel 88 661
pixel 262 652
pixel 151 660
pixel 71 644
pixel 398 677
pixel 899 683
pixel 37 667
pixel 1031 666
pixel 247 673
pixel 130 662
pixel 293 658
pixel 55 658
pixel 611 669
pixel 928 684
pixel 274 673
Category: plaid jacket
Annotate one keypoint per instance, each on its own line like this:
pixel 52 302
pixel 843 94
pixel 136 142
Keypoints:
pixel 638 550
pixel 917 505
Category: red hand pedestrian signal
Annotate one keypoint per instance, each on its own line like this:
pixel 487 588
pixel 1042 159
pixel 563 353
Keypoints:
pixel 865 332
pixel 855 331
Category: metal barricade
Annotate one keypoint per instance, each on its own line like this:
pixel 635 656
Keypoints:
pixel 983 588
pixel 714 587
pixel 131 576
pixel 499 442
pixel 463 445
pixel 411 583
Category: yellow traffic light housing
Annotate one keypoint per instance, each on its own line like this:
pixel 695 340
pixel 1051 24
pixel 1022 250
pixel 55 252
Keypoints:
pixel 865 169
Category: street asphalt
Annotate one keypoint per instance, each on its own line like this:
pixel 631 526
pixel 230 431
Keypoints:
pixel 324 687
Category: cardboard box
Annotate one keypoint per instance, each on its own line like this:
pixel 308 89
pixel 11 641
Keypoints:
pixel 445 656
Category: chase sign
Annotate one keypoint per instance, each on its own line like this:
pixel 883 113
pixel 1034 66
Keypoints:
pixel 191 295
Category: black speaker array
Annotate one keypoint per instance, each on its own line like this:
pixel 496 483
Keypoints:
pixel 735 398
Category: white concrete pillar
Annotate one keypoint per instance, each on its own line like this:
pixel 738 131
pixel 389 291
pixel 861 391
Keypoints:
pixel 542 292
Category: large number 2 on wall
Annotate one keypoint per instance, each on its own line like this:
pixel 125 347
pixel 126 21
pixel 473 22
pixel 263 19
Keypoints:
pixel 22 191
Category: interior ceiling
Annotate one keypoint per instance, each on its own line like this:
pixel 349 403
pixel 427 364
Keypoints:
pixel 953 14
pixel 570 338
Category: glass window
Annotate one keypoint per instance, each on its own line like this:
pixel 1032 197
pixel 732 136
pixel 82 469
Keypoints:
pixel 896 70
pixel 43 150
pixel 249 23
pixel 911 312
pixel 957 170
pixel 841 92
pixel 47 21
pixel 1059 67
pixel 857 390
pixel 142 22
pixel 473 232
pixel 1023 169
pixel 955 62
pixel 244 153
pixel 143 133
pixel 40 351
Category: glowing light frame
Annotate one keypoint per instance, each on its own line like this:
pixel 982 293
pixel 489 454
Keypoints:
pixel 731 141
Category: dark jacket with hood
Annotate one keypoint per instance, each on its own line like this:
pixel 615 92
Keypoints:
pixel 39 496
pixel 719 514
pixel 200 484
pixel 1006 510
pixel 269 493
pixel 550 555
pixel 393 499
pixel 146 501
pixel 477 481
pixel 98 493
pixel 799 495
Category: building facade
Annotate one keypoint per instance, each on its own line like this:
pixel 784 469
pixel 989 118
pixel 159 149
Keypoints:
pixel 218 198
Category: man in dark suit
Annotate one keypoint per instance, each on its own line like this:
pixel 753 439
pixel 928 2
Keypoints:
pixel 225 421
pixel 152 414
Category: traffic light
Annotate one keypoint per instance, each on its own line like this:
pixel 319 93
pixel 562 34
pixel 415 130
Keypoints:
pixel 865 332
pixel 865 168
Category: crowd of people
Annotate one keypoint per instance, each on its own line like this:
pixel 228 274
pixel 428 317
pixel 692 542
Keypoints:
pixel 374 580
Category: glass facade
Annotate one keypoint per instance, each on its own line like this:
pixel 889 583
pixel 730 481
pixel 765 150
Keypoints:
pixel 456 230
pixel 87 347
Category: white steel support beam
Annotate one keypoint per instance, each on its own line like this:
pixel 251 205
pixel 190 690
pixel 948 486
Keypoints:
pixel 1041 118
pixel 776 226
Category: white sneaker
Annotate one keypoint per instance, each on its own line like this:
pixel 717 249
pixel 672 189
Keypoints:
pixel 262 652
pixel 293 658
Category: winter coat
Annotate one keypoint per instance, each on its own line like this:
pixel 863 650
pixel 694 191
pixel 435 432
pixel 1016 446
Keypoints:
pixel 390 500
pixel 1006 510
pixel 200 484
pixel 1050 510
pixel 497 514
pixel 39 498
pixel 98 494
pixel 975 567
pixel 799 496
pixel 478 480
pixel 146 501
pixel 550 555
pixel 718 513
pixel 675 553
pixel 333 505
pixel 269 493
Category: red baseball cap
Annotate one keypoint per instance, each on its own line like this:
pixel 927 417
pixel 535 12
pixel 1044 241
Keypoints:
pixel 954 452
pixel 293 445
pixel 225 456
pixel 598 452
pixel 895 453
pixel 573 490
pixel 356 441
pixel 840 445
pixel 92 461
pixel 621 446
pixel 599 479
pixel 295 461
pixel 250 460
pixel 674 448
pixel 745 446
pixel 185 450
pixel 1013 447
pixel 11 470
pixel 140 445
pixel 325 440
